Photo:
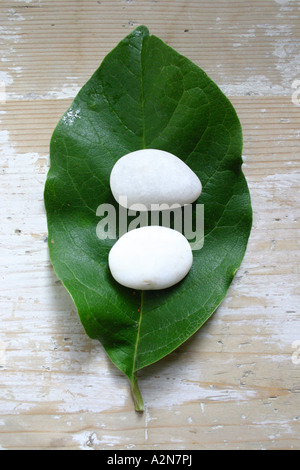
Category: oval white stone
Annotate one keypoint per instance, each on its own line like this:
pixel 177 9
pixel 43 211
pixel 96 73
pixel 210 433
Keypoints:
pixel 152 176
pixel 150 258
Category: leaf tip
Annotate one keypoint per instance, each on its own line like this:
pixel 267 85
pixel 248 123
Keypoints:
pixel 141 31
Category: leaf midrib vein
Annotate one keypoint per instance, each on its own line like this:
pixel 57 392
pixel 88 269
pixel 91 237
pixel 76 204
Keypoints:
pixel 137 337
pixel 143 102
pixel 143 146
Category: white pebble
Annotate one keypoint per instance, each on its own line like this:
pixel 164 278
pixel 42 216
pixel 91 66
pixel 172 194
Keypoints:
pixel 152 176
pixel 150 257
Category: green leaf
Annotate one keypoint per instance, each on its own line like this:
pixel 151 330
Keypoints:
pixel 145 95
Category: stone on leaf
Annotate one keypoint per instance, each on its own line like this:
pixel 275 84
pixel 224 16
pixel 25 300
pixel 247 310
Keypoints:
pixel 150 257
pixel 153 177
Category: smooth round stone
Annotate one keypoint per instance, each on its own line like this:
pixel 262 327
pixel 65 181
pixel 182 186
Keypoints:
pixel 150 257
pixel 152 176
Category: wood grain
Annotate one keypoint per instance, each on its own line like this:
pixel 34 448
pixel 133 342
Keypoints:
pixel 236 383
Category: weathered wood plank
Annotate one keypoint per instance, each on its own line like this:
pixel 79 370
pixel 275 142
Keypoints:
pixel 236 383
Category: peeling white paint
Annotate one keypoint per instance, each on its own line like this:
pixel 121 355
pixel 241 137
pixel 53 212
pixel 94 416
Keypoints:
pixel 289 69
pixel 109 440
pixel 14 16
pixel 17 70
pixel 75 377
pixel 180 391
pixel 283 2
pixel 26 1
pixel 66 92
pixel 147 420
pixel 258 85
pixel 10 35
pixel 279 51
pixel 86 440
pixel 276 29
pixel 6 78
pixel 249 34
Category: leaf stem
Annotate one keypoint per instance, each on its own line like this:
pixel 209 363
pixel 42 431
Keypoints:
pixel 137 396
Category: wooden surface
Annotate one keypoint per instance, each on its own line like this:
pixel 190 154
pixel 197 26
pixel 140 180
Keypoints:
pixel 236 383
